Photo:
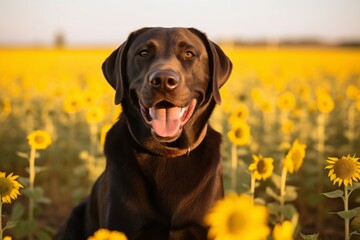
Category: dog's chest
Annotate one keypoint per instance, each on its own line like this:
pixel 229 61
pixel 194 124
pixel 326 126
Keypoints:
pixel 172 181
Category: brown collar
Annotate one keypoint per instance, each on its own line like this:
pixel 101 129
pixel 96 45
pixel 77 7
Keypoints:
pixel 173 152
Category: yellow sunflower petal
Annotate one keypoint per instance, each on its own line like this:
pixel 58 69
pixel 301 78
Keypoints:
pixel 332 177
pixel 340 182
pixel 252 166
pixel 14 177
pixel 336 180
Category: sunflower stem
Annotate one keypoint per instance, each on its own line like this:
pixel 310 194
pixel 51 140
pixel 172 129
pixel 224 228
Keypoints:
pixel 321 123
pixel 351 124
pixel 252 187
pixel 1 228
pixel 283 191
pixel 234 161
pixel 31 184
pixel 346 208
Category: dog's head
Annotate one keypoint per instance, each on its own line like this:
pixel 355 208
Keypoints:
pixel 170 77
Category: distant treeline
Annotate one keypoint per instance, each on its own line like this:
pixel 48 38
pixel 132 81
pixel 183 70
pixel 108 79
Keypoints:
pixel 295 43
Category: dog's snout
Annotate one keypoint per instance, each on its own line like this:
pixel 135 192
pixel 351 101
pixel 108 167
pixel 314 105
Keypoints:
pixel 164 79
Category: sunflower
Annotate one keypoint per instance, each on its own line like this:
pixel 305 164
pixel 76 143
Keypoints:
pixel 5 107
pixel 89 98
pixel 240 113
pixel 95 115
pixel 236 217
pixel 325 103
pixel 105 234
pixel 266 106
pixel 73 103
pixel 287 126
pixel 261 168
pixel 240 133
pixel 344 170
pixel 9 187
pixel 352 92
pixel 287 101
pixel 39 139
pixel 283 231
pixel 295 157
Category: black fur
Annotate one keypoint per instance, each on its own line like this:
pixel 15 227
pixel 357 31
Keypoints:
pixel 157 187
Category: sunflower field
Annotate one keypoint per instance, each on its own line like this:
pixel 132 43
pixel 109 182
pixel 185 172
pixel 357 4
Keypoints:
pixel 290 120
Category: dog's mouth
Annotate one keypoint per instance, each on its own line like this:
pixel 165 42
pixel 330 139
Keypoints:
pixel 167 120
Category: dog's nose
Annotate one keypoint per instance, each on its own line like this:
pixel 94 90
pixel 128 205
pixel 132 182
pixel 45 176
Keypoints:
pixel 164 79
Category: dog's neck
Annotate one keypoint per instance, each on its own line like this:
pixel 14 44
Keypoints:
pixel 167 151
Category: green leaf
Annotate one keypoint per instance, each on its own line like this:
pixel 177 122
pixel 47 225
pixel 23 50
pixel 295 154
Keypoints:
pixel 22 155
pixel 24 228
pixel 37 194
pixel 44 235
pixel 269 191
pixel 273 208
pixel 49 230
pixel 334 194
pixel 40 169
pixel 291 193
pixel 355 186
pixel 347 214
pixel 288 211
pixel 260 201
pixel 10 224
pixel 354 233
pixel 276 179
pixel 17 211
pixel 310 237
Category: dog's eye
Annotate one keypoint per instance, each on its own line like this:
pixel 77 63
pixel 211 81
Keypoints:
pixel 144 53
pixel 189 54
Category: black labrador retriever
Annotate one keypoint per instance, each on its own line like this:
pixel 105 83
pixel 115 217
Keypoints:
pixel 163 170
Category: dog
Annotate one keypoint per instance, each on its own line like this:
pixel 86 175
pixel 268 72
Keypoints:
pixel 163 169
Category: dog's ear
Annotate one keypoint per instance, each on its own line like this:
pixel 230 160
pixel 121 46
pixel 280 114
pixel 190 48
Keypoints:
pixel 114 67
pixel 221 67
pixel 220 64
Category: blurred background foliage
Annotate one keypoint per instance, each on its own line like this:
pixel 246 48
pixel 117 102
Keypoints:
pixel 281 94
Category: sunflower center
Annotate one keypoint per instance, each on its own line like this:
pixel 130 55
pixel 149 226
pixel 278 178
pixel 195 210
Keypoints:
pixel 5 186
pixel 345 168
pixel 240 114
pixel 262 167
pixel 239 133
pixel 236 223
pixel 74 104
pixel 39 139
pixel 296 156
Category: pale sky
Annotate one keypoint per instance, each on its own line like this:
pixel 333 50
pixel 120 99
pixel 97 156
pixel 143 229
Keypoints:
pixel 110 21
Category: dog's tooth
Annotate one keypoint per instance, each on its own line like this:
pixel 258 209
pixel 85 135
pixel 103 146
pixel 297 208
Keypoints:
pixel 181 112
pixel 152 113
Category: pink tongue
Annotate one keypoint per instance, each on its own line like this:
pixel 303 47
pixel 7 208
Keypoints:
pixel 166 121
